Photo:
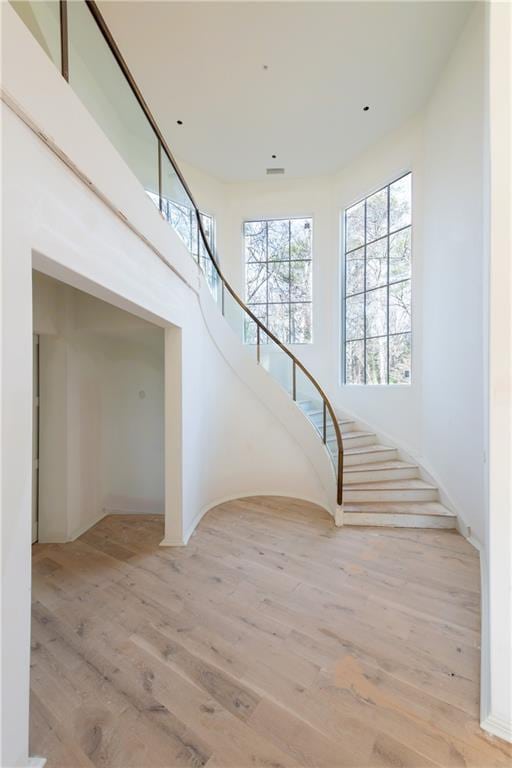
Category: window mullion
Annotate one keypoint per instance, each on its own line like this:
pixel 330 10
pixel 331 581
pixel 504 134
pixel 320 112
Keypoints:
pixel 365 376
pixel 277 299
pixel 290 284
pixel 268 275
pixel 387 293
pixel 403 355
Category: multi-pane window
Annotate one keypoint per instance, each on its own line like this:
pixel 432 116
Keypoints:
pixel 378 287
pixel 183 220
pixel 278 279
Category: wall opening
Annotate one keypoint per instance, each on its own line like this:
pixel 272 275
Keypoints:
pixel 101 416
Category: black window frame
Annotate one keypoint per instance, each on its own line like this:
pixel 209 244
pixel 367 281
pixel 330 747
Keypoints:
pixel 255 305
pixel 387 285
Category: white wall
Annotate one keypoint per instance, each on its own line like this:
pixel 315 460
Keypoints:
pixel 452 412
pixel 441 418
pixel 53 220
pixel 438 418
pixel 102 405
pixel 496 701
pixel 61 198
pixel 133 436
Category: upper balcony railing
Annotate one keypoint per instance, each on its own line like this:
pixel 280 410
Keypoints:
pixel 77 39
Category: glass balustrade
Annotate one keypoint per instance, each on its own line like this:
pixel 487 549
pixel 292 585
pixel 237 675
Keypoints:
pixel 101 79
pixel 309 400
pixel 97 79
pixel 43 19
pixel 277 362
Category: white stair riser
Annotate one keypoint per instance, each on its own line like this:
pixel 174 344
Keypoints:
pixel 345 428
pixel 374 475
pixel 390 494
pixel 358 442
pixel 368 458
pixel 398 521
pixel 330 435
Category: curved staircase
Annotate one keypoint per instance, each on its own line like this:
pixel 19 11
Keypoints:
pixel 374 485
pixel 379 487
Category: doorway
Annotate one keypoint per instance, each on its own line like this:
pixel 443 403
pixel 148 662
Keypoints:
pixel 99 417
pixel 35 437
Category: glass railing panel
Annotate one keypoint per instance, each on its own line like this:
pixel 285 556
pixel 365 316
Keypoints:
pixel 252 337
pixel 43 19
pixel 309 399
pixel 205 262
pixel 177 207
pixel 98 80
pixel 212 278
pixel 234 314
pixel 277 362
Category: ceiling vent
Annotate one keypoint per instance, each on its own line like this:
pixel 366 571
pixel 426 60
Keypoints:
pixel 274 171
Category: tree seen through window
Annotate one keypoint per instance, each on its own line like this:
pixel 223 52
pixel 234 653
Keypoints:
pixel 278 278
pixel 378 287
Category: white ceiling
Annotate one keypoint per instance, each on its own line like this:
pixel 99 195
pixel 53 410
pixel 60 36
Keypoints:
pixel 203 63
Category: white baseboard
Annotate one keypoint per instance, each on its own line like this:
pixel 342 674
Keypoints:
pixel 113 511
pixel 51 539
pixel 36 762
pixel 172 543
pixel 498 726
pixel 177 542
pixel 83 528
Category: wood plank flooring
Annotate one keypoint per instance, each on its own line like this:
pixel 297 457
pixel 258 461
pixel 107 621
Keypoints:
pixel 273 639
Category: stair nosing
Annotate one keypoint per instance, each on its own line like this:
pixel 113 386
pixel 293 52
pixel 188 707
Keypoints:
pixel 400 508
pixel 388 485
pixel 355 468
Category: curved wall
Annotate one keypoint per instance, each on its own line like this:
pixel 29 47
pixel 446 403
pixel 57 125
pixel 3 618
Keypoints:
pixel 73 210
pixel 439 419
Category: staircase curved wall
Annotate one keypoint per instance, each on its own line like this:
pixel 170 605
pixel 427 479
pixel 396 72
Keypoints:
pixel 72 209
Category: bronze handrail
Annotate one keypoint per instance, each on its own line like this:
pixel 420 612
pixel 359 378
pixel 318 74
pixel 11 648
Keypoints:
pixel 162 144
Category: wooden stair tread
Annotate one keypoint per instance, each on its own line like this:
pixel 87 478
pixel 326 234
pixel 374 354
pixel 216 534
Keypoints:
pixel 378 465
pixel 428 508
pixel 341 422
pixel 374 448
pixel 351 435
pixel 412 484
pixel 404 507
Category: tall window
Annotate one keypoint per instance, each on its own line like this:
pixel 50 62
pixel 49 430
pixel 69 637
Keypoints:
pixel 278 280
pixel 378 287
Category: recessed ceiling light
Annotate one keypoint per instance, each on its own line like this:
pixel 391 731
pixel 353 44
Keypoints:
pixel 365 109
pixel 180 122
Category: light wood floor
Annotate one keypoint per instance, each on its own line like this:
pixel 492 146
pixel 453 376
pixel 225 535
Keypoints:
pixel 273 639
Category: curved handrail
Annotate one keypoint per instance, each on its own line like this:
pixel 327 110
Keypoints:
pixel 162 145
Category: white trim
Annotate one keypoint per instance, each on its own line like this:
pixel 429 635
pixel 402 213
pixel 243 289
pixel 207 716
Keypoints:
pixel 36 762
pixel 111 511
pixel 498 726
pixel 83 528
pixel 493 724
pixel 49 539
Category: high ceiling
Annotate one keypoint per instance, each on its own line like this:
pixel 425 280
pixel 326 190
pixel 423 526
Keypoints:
pixel 253 79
